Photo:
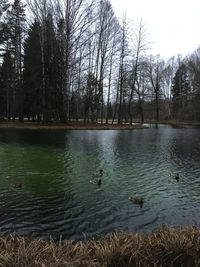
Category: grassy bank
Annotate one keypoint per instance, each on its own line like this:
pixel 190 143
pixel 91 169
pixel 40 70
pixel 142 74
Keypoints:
pixel 69 126
pixel 165 247
pixel 174 122
pixel 87 126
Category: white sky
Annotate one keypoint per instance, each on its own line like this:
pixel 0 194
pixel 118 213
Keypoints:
pixel 173 25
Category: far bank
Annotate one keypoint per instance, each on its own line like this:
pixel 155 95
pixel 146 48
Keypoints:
pixel 70 126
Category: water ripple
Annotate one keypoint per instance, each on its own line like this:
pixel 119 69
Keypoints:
pixel 57 197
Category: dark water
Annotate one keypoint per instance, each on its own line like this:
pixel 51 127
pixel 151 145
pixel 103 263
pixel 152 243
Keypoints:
pixel 57 198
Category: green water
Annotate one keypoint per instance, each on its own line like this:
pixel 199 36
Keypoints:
pixel 55 169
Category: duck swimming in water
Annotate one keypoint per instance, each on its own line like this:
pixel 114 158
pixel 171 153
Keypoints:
pixel 17 185
pixel 177 177
pixel 98 174
pixel 96 181
pixel 137 200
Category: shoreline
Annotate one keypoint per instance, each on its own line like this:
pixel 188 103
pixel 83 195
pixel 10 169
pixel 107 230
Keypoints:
pixel 69 126
pixel 175 123
pixel 166 246
pixel 88 126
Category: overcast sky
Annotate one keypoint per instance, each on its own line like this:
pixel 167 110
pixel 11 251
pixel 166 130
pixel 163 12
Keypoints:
pixel 173 25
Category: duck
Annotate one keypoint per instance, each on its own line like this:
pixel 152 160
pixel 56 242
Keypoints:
pixel 96 181
pixel 98 174
pixel 97 178
pixel 137 200
pixel 17 185
pixel 177 177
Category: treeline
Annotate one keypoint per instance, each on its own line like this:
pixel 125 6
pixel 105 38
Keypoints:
pixel 74 60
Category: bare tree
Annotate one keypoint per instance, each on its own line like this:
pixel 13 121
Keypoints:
pixel 169 75
pixel 122 67
pixel 114 49
pixel 140 47
pixel 156 76
pixel 141 87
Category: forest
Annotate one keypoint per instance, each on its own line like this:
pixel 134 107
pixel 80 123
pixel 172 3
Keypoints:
pixel 74 60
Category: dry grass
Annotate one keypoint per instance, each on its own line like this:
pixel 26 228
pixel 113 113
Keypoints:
pixel 165 247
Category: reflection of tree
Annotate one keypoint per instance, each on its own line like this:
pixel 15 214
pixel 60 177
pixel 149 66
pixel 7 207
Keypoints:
pixel 37 159
pixel 184 150
pixel 137 143
pixel 86 151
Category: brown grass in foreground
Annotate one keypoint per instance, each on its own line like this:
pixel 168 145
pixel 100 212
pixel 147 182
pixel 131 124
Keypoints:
pixel 165 247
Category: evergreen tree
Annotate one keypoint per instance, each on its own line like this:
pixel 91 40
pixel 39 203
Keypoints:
pixel 16 25
pixel 7 85
pixel 180 92
pixel 33 74
pixel 60 69
pixel 41 75
pixel 50 69
pixel 3 8
pixel 2 95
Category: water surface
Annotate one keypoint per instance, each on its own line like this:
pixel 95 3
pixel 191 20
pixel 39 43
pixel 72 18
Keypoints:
pixel 56 167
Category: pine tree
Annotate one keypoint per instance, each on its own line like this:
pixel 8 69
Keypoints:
pixel 50 69
pixel 60 69
pixel 180 92
pixel 3 8
pixel 16 25
pixel 7 85
pixel 33 74
pixel 41 73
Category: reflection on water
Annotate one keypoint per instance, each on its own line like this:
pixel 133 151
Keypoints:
pixel 57 198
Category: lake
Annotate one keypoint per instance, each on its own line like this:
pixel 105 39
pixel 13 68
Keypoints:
pixel 56 166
